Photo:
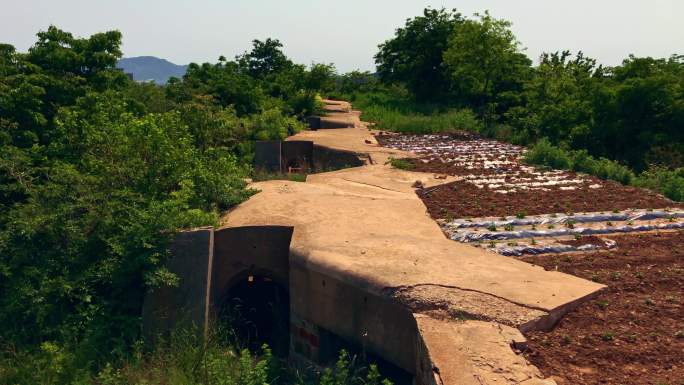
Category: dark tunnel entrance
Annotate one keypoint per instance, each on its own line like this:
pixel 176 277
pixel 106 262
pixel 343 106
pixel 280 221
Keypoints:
pixel 257 309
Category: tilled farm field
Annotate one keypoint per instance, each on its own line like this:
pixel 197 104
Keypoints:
pixel 627 238
pixel 633 332
pixel 515 209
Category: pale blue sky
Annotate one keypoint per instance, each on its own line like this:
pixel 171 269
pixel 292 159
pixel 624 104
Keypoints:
pixel 344 32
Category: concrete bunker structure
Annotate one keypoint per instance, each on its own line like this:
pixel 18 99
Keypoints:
pixel 302 156
pixel 350 259
pixel 303 314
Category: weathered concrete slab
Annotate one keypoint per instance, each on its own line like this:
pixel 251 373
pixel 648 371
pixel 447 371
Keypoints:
pixel 477 353
pixel 187 304
pixel 268 156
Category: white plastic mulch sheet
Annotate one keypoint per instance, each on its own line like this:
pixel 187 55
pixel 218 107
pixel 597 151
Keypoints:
pixel 498 166
pixel 636 215
pixel 493 164
pixel 543 231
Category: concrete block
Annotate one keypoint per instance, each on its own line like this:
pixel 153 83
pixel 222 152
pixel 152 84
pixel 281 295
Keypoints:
pixel 186 305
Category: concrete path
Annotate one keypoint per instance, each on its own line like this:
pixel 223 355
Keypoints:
pixel 366 226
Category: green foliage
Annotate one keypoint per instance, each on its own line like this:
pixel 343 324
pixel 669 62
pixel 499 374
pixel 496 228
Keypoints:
pixel 485 62
pixel 669 182
pixel 397 114
pixel 181 359
pixel 402 164
pixel 413 57
pixel 461 63
pixel 666 181
pixel 97 173
pixel 545 154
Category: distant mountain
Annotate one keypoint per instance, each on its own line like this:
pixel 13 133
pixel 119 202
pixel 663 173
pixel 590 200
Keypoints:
pixel 146 68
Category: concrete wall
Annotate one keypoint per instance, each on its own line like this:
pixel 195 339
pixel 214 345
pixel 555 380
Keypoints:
pixel 186 305
pixel 276 156
pixel 375 323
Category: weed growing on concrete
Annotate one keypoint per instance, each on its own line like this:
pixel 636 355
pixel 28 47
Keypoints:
pixel 402 164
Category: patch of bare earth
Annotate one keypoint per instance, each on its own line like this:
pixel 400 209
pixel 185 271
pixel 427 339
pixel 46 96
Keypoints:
pixel 462 199
pixel 497 183
pixel 633 332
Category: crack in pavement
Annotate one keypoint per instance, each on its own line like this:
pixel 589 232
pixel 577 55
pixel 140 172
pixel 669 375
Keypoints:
pixel 399 289
pixel 372 185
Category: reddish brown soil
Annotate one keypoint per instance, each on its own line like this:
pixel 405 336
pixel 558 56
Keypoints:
pixel 438 167
pixel 633 332
pixel 584 240
pixel 461 199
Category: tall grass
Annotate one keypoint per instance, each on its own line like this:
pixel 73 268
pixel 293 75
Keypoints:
pixel 398 113
pixel 181 359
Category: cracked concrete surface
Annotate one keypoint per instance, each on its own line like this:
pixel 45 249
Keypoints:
pixel 367 227
pixel 449 303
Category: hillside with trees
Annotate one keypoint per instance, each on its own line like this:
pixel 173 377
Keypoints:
pixel 150 68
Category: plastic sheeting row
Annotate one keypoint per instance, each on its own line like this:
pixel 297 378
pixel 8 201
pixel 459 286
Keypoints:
pixel 562 218
pixel 555 248
pixel 506 235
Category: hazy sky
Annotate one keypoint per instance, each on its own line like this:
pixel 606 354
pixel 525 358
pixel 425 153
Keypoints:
pixel 344 32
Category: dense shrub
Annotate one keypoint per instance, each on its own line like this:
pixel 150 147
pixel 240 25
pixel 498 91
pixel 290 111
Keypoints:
pixel 657 178
pixel 669 182
pixel 545 154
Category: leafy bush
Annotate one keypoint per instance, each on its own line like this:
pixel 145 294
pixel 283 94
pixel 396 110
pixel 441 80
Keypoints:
pixel 545 154
pixel 402 164
pixel 668 182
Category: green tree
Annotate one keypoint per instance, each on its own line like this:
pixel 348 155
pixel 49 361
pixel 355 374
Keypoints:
pixel 265 58
pixel 413 57
pixel 485 62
